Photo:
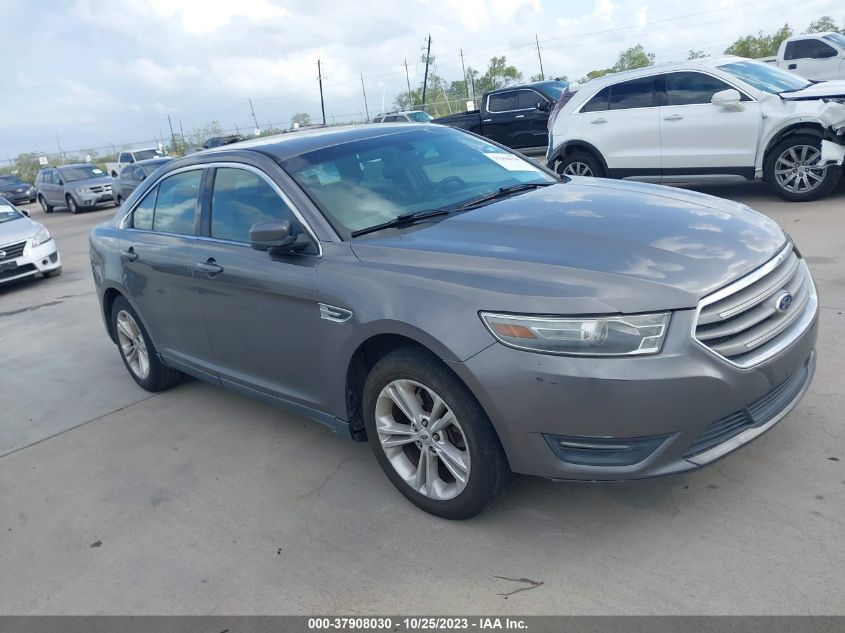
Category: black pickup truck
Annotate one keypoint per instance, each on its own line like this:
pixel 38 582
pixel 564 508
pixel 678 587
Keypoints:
pixel 515 116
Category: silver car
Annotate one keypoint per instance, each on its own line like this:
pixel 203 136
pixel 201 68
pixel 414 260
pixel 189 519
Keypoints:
pixel 26 247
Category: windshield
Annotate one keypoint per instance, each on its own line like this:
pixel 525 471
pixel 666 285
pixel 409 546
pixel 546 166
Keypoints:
pixel 765 77
pixel 555 89
pixel 153 165
pixel 363 183
pixel 8 213
pixel 420 117
pixel 81 172
pixel 144 154
pixel 9 180
pixel 836 38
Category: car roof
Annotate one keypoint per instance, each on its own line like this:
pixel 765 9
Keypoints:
pixel 154 161
pixel 666 67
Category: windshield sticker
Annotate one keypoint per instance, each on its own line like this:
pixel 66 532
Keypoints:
pixel 325 173
pixel 509 161
pixel 97 171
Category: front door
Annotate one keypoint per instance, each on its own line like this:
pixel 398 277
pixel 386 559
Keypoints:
pixel 260 311
pixel 697 137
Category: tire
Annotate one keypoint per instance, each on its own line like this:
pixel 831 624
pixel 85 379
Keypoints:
pixel 789 172
pixel 44 206
pixel 71 204
pixel 579 162
pixel 158 376
pixel 467 439
pixel 118 201
pixel 53 273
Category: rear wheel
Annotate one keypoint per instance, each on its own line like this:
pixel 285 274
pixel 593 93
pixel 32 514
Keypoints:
pixel 431 437
pixel 580 163
pixel 44 206
pixel 137 350
pixel 792 169
pixel 71 204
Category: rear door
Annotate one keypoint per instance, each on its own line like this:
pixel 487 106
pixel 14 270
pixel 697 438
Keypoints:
pixel 157 263
pixel 621 121
pixel 260 311
pixel 697 137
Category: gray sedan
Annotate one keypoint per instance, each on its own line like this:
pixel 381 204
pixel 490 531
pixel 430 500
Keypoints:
pixel 468 313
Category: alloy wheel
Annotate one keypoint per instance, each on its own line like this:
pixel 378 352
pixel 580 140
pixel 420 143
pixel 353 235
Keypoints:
pixel 797 169
pixel 577 168
pixel 132 344
pixel 422 439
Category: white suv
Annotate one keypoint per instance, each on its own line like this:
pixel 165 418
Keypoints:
pixel 719 119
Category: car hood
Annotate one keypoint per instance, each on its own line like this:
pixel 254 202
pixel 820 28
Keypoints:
pixel 817 91
pixel 15 231
pixel 627 246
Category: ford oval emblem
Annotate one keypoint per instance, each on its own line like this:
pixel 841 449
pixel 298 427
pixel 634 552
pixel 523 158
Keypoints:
pixel 783 302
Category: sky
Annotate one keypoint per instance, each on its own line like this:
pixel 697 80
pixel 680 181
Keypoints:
pixel 94 73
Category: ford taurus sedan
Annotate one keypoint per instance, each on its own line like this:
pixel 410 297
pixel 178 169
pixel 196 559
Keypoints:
pixel 467 312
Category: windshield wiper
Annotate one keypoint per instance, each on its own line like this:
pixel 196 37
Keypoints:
pixel 405 219
pixel 503 192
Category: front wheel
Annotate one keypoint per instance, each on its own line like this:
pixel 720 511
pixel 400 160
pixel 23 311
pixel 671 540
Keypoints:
pixel 792 169
pixel 431 437
pixel 71 205
pixel 47 208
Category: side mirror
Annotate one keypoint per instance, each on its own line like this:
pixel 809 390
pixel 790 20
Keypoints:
pixel 726 98
pixel 276 237
pixel 61 182
pixel 543 106
pixel 24 211
pixel 129 159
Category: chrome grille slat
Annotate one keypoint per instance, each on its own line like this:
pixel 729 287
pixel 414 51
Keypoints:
pixel 742 322
pixel 13 250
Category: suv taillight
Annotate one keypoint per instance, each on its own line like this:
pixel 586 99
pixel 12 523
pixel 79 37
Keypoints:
pixel 565 96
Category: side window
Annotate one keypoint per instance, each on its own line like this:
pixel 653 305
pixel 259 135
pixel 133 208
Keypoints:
pixel 528 99
pixel 502 102
pixel 123 158
pixel 808 49
pixel 142 216
pixel 598 102
pixel 176 203
pixel 241 199
pixel 692 88
pixel 637 93
pixel 127 173
pixel 391 119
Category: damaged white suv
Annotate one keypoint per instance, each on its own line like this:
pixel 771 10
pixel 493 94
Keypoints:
pixel 704 120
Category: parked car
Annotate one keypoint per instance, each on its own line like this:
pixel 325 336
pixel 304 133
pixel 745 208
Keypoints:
pixel 815 56
pixel 516 116
pixel 462 308
pixel 78 187
pixel 133 175
pixel 15 190
pixel 217 141
pixel 704 120
pixel 405 116
pixel 26 247
pixel 129 157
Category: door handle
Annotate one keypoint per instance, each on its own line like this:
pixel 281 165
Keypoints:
pixel 598 121
pixel 674 117
pixel 792 66
pixel 210 267
pixel 486 120
pixel 519 116
pixel 129 254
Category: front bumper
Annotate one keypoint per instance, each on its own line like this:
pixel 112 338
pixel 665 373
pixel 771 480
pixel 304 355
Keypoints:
pixel 90 199
pixel 833 153
pixel 667 402
pixel 34 260
pixel 17 197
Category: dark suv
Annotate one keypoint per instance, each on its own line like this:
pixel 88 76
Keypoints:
pixel 76 187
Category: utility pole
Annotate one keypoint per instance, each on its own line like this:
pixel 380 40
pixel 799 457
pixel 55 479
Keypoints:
pixel 542 72
pixel 463 68
pixel 364 90
pixel 425 78
pixel 320 79
pixel 172 135
pixel 251 109
pixel 408 79
pixel 61 151
pixel 182 135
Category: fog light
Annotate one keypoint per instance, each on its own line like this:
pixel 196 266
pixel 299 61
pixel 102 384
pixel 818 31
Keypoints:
pixel 604 451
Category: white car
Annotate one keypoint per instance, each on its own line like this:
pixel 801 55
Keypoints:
pixel 130 156
pixel 26 247
pixel 704 120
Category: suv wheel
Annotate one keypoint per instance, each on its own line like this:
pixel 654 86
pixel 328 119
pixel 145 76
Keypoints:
pixel 792 169
pixel 71 204
pixel 44 206
pixel 431 437
pixel 580 163
pixel 137 350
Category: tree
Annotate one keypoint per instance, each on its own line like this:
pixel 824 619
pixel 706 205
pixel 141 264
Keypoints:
pixel 300 119
pixel 760 45
pixel 498 75
pixel 824 23
pixel 27 166
pixel 199 135
pixel 696 54
pixel 634 57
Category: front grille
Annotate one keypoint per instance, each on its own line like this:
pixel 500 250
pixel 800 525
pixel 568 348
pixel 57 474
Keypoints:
pixel 12 251
pixel 101 189
pixel 746 322
pixel 14 272
pixel 755 414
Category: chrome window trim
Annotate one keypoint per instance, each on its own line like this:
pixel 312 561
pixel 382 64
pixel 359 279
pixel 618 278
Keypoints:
pixel 799 323
pixel 122 223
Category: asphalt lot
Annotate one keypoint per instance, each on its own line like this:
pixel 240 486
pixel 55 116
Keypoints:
pixel 113 500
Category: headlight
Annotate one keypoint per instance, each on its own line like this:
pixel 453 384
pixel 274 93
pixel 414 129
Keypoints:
pixel 42 236
pixel 82 190
pixel 581 336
